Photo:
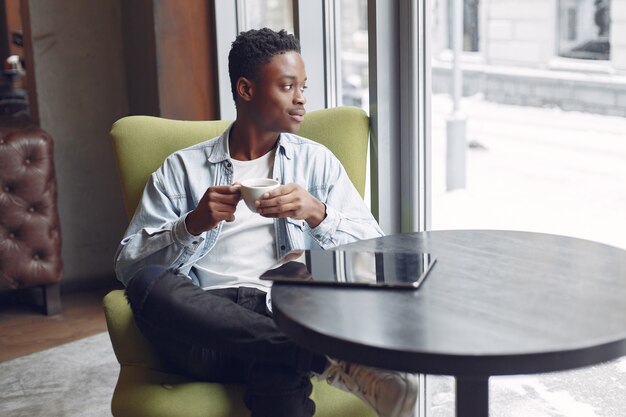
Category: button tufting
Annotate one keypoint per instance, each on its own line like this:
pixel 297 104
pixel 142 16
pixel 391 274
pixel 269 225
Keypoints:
pixel 30 244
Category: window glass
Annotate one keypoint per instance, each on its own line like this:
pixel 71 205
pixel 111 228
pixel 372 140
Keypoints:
pixel 470 24
pixel 533 134
pixel 351 23
pixel 543 150
pixel 256 14
pixel 584 29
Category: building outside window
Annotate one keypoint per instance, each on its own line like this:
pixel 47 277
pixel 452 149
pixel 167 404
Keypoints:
pixel 256 14
pixel 470 24
pixel 353 69
pixel 585 29
pixel 571 52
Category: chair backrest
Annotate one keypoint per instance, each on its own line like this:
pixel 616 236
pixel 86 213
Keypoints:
pixel 142 143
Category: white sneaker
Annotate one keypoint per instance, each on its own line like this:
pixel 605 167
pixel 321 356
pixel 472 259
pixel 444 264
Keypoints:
pixel 389 393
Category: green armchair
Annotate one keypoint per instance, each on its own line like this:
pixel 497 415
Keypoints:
pixel 146 386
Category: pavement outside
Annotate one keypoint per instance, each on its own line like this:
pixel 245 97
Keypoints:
pixel 534 169
pixel 542 170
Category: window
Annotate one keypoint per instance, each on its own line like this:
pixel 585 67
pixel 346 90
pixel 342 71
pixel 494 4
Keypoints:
pixel 544 148
pixel 544 152
pixel 353 53
pixel 470 24
pixel 584 29
pixel 256 14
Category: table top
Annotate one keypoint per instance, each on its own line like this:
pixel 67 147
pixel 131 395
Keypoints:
pixel 495 303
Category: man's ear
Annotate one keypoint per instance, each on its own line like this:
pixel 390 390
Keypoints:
pixel 244 88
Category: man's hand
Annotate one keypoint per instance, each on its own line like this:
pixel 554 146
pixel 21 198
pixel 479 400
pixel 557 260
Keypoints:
pixel 293 201
pixel 218 203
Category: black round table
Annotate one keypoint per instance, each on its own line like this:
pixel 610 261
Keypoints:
pixel 495 303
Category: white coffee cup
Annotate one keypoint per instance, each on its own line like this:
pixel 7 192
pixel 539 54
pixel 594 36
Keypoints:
pixel 253 189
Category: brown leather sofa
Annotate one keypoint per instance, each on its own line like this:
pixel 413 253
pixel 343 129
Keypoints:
pixel 30 236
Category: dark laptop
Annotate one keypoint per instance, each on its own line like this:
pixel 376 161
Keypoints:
pixel 353 268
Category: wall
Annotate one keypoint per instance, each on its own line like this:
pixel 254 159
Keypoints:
pixel 79 72
pixel 520 32
pixel 170 58
pixel 618 34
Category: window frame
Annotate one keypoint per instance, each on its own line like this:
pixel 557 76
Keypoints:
pixel 399 82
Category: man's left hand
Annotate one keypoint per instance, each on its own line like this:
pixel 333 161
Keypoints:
pixel 291 200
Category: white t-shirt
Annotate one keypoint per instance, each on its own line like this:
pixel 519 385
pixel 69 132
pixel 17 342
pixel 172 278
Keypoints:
pixel 245 247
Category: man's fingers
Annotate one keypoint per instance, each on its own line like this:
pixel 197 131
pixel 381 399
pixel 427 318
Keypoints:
pixel 224 194
pixel 271 200
pixel 221 209
pixel 283 210
pixel 225 189
pixel 281 190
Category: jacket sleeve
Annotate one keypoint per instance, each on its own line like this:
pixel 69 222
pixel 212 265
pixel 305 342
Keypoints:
pixel 348 219
pixel 156 235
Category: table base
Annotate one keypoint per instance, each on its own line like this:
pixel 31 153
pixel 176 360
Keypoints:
pixel 472 396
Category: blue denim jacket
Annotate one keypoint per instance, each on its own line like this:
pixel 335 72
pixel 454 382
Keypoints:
pixel 157 232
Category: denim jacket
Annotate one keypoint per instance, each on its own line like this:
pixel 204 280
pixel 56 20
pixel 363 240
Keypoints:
pixel 157 232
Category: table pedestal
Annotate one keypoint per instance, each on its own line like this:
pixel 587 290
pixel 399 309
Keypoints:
pixel 472 396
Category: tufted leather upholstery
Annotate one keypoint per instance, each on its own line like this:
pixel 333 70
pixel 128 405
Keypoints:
pixel 30 237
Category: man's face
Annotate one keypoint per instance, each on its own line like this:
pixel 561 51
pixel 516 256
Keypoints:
pixel 278 95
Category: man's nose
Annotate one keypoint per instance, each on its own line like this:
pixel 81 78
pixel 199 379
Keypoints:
pixel 299 97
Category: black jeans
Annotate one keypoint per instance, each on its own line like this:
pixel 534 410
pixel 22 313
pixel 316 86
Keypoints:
pixel 224 335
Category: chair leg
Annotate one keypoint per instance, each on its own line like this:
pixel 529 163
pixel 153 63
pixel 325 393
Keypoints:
pixel 52 299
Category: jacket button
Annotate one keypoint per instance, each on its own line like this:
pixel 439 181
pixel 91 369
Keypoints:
pixel 282 247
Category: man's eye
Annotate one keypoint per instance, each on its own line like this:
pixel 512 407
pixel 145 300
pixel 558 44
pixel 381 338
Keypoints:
pixel 288 87
pixel 304 87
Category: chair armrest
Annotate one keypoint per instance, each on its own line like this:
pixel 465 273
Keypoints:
pixel 129 345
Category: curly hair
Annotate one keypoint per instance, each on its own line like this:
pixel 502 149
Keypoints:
pixel 255 48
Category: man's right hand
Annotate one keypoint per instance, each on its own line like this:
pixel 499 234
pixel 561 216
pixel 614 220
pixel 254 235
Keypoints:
pixel 218 203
